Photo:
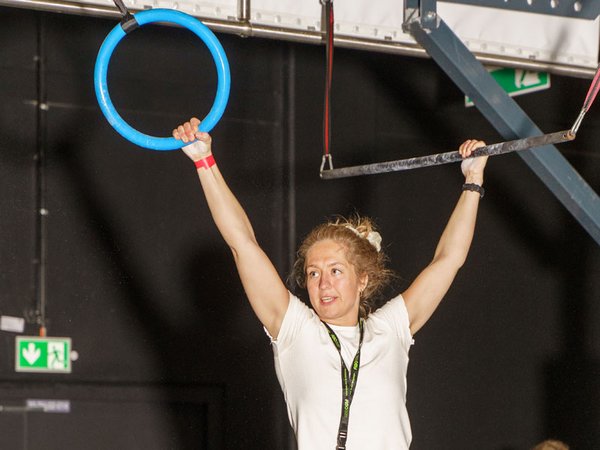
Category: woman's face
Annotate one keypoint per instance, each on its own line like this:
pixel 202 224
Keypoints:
pixel 333 286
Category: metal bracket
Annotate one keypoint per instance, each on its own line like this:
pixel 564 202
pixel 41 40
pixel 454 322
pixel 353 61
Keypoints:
pixel 423 11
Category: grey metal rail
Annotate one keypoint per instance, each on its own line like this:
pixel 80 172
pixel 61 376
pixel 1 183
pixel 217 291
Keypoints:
pixel 448 157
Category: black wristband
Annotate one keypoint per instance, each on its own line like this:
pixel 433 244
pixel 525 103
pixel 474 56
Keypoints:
pixel 474 187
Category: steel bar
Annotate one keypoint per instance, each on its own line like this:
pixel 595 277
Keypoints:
pixel 244 11
pixel 41 190
pixel 448 157
pixel 247 29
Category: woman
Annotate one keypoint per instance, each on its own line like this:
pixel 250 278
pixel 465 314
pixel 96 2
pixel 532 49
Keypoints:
pixel 342 368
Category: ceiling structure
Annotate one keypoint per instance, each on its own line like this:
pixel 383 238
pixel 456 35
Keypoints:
pixel 557 36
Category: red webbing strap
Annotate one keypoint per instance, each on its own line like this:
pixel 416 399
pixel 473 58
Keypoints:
pixel 592 91
pixel 589 99
pixel 328 19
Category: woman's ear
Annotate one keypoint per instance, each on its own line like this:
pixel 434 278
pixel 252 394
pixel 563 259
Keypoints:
pixel 364 280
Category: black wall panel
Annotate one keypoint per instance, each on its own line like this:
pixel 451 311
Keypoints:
pixel 18 136
pixel 131 247
pixel 140 279
pixel 110 415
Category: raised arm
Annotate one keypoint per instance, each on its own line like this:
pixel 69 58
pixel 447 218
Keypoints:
pixel 266 292
pixel 427 290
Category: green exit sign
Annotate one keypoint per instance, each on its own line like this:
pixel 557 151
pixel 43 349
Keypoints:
pixel 517 81
pixel 43 354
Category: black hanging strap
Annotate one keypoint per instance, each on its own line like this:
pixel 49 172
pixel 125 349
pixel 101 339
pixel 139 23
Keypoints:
pixel 128 22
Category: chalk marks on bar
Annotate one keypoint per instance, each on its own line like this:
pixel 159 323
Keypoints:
pixel 448 157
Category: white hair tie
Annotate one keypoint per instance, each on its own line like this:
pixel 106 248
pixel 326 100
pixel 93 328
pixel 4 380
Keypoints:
pixel 373 237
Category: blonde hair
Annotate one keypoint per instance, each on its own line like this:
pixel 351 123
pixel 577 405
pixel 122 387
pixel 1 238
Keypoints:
pixel 551 444
pixel 362 244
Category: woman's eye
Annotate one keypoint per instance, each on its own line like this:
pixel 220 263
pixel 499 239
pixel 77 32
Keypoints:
pixel 336 271
pixel 313 274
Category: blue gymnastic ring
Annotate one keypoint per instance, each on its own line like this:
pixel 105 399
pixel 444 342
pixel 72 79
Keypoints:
pixel 101 69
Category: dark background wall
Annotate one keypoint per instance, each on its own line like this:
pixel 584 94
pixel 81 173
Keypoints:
pixel 170 354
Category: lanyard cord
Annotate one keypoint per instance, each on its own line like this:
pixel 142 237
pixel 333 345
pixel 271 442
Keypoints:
pixel 327 19
pixel 349 379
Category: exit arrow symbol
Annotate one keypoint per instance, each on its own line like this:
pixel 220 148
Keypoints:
pixel 31 353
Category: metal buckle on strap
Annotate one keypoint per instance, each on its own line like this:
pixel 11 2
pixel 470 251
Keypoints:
pixel 326 159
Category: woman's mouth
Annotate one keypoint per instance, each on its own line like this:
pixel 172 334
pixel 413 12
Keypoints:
pixel 327 299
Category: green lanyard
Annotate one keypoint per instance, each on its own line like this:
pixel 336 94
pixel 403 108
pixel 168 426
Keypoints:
pixel 349 378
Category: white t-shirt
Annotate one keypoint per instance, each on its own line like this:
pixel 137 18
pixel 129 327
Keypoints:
pixel 309 371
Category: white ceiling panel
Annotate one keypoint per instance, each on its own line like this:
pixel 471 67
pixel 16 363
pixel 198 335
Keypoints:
pixel 508 35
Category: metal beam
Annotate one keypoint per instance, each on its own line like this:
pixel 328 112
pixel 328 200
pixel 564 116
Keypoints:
pixel 575 9
pixel 506 116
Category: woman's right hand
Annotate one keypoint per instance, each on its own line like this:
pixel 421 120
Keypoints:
pixel 200 146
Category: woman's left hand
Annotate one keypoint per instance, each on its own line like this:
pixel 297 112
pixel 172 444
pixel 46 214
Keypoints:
pixel 472 168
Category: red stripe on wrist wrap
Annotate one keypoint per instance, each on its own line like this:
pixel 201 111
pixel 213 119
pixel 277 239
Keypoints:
pixel 205 163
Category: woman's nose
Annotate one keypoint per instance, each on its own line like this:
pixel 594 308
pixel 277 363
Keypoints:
pixel 324 282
